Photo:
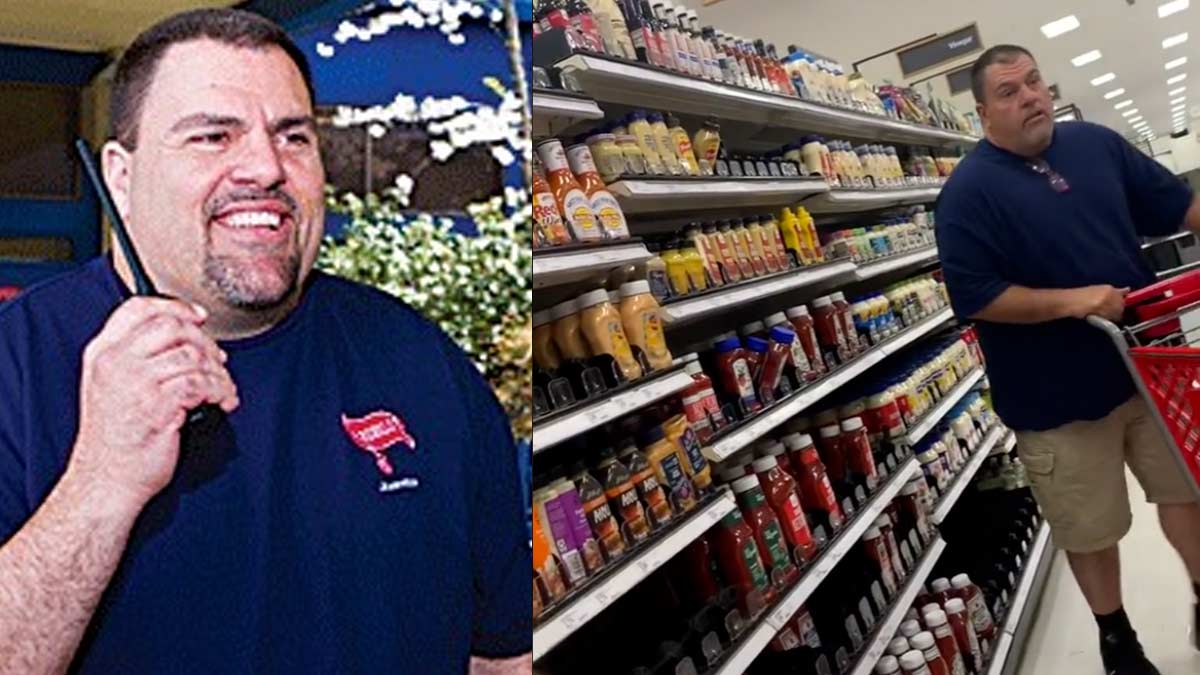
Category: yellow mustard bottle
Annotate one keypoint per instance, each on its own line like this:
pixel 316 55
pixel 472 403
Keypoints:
pixel 694 264
pixel 789 227
pixel 683 145
pixel 666 147
pixel 809 229
pixel 639 128
pixel 676 269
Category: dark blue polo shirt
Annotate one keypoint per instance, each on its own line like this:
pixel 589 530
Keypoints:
pixel 282 546
pixel 1000 223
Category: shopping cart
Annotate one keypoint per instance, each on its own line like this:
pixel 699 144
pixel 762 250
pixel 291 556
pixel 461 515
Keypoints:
pixel 1159 340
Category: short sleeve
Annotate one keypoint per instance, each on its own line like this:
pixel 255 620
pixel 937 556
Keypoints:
pixel 14 509
pixel 1158 200
pixel 500 545
pixel 970 260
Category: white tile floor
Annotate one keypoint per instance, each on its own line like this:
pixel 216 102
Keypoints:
pixel 1158 599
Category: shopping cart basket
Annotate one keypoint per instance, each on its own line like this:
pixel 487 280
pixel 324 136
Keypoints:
pixel 1159 340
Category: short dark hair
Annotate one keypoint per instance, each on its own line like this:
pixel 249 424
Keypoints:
pixel 997 54
pixel 136 67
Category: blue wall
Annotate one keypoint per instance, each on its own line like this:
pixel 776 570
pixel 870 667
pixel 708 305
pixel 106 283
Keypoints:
pixel 76 219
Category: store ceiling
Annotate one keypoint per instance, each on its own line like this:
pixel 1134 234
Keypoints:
pixel 86 25
pixel 1129 36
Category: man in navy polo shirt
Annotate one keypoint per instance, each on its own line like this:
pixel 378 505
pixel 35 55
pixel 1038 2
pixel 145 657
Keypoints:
pixel 1038 228
pixel 357 510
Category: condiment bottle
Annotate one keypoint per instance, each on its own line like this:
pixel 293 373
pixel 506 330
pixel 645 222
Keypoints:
pixel 741 562
pixel 601 325
pixel 705 143
pixel 775 361
pixel 683 145
pixel 782 494
pixel 735 375
pixel 694 265
pixel 700 403
pixel 610 162
pixel 888 664
pixel 816 492
pixel 964 634
pixel 545 209
pixel 856 448
pixel 761 245
pixel 698 470
pixel 677 272
pixel 631 153
pixel 756 352
pixel 790 231
pixel 774 238
pixel 830 447
pixel 829 329
pixel 604 205
pixel 666 146
pixel 725 252
pixel 981 618
pixel 797 359
pixel 928 645
pixel 639 128
pixel 847 318
pixel 567 497
pixel 573 202
pixel 641 318
pixel 745 246
pixel 663 455
pixel 544 564
pixel 656 274
pixel 650 491
pixel 899 645
pixel 545 354
pixel 706 249
pixel 767 533
pixel 739 250
pixel 940 590
pixel 878 552
pixel 802 324
pixel 605 527
pixel 622 496
pixel 568 336
pixel 946 644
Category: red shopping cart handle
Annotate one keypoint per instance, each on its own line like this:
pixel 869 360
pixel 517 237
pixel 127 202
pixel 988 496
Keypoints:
pixel 1164 297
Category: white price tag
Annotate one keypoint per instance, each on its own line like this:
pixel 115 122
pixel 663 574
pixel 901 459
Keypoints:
pixel 579 615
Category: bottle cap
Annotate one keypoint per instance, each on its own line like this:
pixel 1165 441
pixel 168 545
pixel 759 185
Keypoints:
pixel 940 585
pixel 592 298
pixel 838 296
pixel 852 424
pixel 822 301
pixel 782 335
pixel 910 628
pixel 773 448
pixel 923 640
pixel 745 484
pixel 871 533
pixel 756 344
pixel 764 464
pixel 795 442
pixel 912 661
pixel 888 665
pixel 960 581
pixel 631 288
pixel 728 345
pixel 797 312
pixel 830 431
pixel 775 319
pixel 935 618
pixel 752 328
pixel 542 318
pixel 897 647
pixel 563 309
pixel 955 605
pixel 728 474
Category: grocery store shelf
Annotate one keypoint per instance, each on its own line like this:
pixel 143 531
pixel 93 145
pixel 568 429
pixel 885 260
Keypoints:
pixel 552 267
pixel 600 595
pixel 555 111
pixel 657 195
pixel 588 416
pixel 1187 267
pixel 1156 241
pixel 611 80
pixel 719 299
pixel 1006 446
pixel 886 628
pixel 935 415
pixel 760 424
pixel 839 200
pixel 895 262
pixel 757 638
pixel 967 474
pixel 1006 651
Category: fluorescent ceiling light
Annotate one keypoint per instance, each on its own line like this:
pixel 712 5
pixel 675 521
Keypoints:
pixel 1176 92
pixel 1086 58
pixel 1181 106
pixel 1131 111
pixel 1168 8
pixel 1107 77
pixel 1059 26
pixel 1113 94
pixel 1175 63
pixel 1175 40
pixel 1181 99
pixel 1122 104
pixel 1136 119
pixel 1178 78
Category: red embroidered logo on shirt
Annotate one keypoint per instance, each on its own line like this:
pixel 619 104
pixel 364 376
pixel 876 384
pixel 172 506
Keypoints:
pixel 377 432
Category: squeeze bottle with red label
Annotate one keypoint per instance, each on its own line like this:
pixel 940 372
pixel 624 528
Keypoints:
pixel 946 644
pixel 935 661
pixel 739 560
pixel 981 618
pixel 816 492
pixel 782 494
pixel 767 532
pixel 964 634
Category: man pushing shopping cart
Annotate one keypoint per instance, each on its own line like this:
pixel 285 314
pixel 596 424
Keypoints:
pixel 1039 229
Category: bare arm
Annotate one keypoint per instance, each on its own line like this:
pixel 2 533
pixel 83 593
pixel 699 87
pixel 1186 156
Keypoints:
pixel 522 665
pixel 1019 304
pixel 53 572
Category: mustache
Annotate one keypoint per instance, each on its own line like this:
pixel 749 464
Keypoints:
pixel 218 204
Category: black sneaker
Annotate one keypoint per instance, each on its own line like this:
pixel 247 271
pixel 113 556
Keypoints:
pixel 1123 655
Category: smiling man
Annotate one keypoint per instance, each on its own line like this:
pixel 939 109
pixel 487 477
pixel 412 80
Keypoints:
pixel 1037 229
pixel 358 508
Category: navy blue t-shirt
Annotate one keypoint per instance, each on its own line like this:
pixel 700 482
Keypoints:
pixel 1001 223
pixel 283 546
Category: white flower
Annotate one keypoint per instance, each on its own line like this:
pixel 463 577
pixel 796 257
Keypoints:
pixel 324 50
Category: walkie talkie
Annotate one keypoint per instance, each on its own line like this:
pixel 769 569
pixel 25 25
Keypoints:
pixel 203 419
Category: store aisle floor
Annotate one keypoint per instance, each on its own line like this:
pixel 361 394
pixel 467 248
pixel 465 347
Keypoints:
pixel 1158 599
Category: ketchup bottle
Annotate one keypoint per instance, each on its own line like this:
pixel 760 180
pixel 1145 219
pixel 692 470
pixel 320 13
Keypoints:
pixel 735 375
pixel 740 563
pixel 767 532
pixel 830 445
pixel 981 618
pixel 934 660
pixel 946 644
pixel 816 493
pixel 783 495
pixel 964 634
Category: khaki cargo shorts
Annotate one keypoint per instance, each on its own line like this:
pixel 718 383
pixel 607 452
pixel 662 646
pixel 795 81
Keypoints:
pixel 1078 475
